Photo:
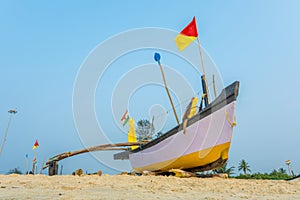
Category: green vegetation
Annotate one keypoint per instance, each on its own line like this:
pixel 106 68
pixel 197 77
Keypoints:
pixel 15 171
pixel 274 175
pixel 225 170
pixel 144 130
pixel 243 166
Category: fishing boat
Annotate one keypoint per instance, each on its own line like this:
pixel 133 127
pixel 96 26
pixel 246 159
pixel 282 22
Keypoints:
pixel 202 140
pixel 199 143
pixel 204 145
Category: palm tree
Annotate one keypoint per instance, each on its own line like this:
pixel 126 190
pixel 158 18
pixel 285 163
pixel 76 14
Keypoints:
pixel 225 170
pixel 244 166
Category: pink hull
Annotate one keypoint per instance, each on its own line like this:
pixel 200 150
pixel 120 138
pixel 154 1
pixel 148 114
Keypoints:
pixel 208 132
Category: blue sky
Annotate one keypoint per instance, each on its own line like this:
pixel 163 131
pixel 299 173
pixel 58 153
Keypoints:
pixel 43 44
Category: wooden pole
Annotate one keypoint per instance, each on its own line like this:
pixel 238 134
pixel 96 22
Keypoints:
pixel 152 127
pixel 34 162
pixel 202 64
pixel 53 168
pixel 27 172
pixel 214 85
pixel 167 89
pixel 290 169
pixel 103 147
pixel 61 169
pixel 204 91
pixel 33 167
pixel 42 167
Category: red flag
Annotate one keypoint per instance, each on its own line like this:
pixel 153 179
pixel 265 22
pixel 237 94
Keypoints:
pixel 36 144
pixel 190 29
pixel 187 35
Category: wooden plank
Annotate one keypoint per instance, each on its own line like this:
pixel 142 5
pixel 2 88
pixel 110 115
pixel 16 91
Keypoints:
pixel 104 147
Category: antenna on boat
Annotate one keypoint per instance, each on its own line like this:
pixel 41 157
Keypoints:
pixel 157 59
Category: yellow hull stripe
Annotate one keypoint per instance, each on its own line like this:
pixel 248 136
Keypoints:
pixel 196 159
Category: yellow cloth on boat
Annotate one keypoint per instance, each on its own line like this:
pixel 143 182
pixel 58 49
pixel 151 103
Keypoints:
pixel 132 133
pixel 190 112
pixel 193 107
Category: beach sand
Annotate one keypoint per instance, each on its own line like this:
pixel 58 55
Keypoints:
pixel 142 187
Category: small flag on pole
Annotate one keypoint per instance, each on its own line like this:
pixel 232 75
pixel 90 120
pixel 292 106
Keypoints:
pixel 125 118
pixel 187 35
pixel 36 144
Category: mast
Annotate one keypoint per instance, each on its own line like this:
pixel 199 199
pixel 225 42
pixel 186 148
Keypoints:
pixel 152 127
pixel 185 38
pixel 204 87
pixel 204 74
pixel 157 59
pixel 214 84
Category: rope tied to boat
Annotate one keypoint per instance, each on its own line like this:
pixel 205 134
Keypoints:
pixel 232 124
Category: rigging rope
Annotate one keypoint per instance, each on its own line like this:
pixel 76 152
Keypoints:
pixel 232 124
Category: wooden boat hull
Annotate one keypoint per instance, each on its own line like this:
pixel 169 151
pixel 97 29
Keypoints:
pixel 204 145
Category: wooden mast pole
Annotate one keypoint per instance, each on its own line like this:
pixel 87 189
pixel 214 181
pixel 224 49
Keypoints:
pixel 27 172
pixel 214 84
pixel 34 162
pixel 202 64
pixel 168 92
pixel 152 127
pixel 157 58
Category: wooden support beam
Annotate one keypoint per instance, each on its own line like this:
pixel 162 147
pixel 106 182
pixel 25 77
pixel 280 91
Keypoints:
pixel 104 147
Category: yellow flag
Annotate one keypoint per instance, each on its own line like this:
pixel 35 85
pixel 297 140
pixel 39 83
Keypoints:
pixel 182 41
pixel 132 133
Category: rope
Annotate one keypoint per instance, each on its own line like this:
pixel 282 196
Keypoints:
pixel 232 124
